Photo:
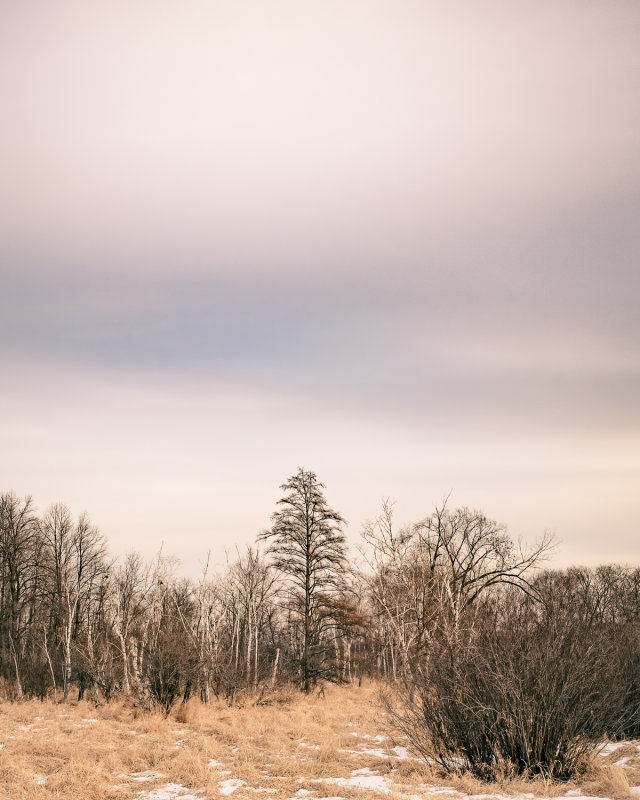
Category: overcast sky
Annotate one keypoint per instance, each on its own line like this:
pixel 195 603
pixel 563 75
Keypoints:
pixel 392 242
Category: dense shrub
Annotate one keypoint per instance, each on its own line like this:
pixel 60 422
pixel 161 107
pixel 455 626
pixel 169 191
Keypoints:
pixel 520 691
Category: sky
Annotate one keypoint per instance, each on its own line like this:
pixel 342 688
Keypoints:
pixel 395 243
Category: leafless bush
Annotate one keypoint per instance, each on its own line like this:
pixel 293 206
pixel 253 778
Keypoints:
pixel 520 692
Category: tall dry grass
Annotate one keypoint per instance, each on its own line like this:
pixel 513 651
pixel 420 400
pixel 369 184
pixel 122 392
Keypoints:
pixel 294 742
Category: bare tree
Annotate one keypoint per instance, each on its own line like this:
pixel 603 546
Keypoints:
pixel 74 557
pixel 126 606
pixel 307 546
pixel 473 553
pixel 403 590
pixel 18 542
pixel 207 628
pixel 252 584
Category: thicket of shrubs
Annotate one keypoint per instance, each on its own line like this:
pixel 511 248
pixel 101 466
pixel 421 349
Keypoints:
pixel 523 688
pixel 494 665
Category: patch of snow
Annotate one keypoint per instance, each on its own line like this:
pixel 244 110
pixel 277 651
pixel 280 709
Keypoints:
pixel 89 719
pixel 398 752
pixel 170 791
pixel 576 793
pixel 635 789
pixel 611 747
pixel 230 785
pixel 41 780
pixel 363 779
pixel 378 752
pixel 621 761
pixel 214 763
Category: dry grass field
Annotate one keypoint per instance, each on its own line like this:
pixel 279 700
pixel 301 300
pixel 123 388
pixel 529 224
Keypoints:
pixel 329 745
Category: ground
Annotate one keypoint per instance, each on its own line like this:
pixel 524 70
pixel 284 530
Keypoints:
pixel 334 745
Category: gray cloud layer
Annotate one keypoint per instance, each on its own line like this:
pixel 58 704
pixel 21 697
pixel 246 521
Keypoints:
pixel 414 223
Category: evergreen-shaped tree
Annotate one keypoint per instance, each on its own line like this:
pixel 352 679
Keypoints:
pixel 307 545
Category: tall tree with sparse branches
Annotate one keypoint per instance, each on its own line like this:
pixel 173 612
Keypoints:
pixel 307 546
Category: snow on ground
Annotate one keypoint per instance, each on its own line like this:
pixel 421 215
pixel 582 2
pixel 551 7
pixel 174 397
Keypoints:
pixel 170 791
pixel 362 779
pixel 377 752
pixel 396 752
pixel 611 747
pixel 380 777
pixel 230 785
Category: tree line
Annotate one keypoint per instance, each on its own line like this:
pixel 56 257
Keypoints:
pixel 451 611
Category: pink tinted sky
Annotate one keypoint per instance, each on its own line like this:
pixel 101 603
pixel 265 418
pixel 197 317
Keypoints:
pixel 396 243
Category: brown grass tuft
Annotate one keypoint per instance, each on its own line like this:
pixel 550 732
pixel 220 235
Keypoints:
pixel 604 779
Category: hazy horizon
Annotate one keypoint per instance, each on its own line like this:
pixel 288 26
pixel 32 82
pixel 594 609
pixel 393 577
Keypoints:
pixel 393 243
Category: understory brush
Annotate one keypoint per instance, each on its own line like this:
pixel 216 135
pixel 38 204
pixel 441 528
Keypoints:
pixel 522 690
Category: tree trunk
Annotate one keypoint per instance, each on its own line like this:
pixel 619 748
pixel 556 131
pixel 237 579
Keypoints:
pixel 66 675
pixel 275 668
pixel 126 686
